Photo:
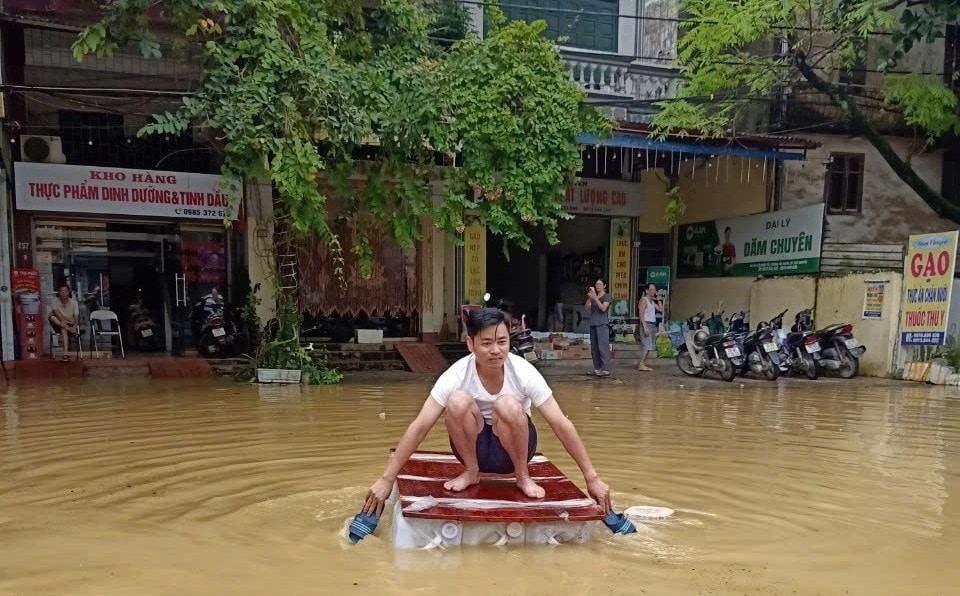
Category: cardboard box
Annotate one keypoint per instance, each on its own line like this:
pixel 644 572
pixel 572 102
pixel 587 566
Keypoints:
pixel 579 352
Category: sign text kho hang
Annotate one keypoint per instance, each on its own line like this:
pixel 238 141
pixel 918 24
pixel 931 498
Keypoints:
pixel 121 191
pixel 928 280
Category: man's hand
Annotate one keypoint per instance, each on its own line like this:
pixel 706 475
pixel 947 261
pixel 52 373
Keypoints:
pixel 600 492
pixel 377 496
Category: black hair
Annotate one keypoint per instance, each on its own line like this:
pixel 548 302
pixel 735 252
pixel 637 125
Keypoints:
pixel 479 320
pixel 726 229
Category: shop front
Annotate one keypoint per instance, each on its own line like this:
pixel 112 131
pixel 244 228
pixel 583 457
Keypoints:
pixel 549 284
pixel 147 246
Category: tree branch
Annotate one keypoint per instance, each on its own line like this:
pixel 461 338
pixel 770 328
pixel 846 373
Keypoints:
pixel 840 98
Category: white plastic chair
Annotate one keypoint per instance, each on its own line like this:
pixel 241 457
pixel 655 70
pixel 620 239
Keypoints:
pixel 100 326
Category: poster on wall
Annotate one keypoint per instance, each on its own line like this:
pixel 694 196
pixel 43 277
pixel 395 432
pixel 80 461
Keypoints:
pixel 873 291
pixel 660 277
pixel 475 263
pixel 121 191
pixel 28 312
pixel 621 237
pixel 927 281
pixel 779 243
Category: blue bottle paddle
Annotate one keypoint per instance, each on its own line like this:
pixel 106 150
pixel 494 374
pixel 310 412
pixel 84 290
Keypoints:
pixel 361 526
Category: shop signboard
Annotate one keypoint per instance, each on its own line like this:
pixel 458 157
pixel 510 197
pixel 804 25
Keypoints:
pixel 778 243
pixel 596 196
pixel 475 263
pixel 621 237
pixel 928 281
pixel 121 191
pixel 28 308
pixel 658 276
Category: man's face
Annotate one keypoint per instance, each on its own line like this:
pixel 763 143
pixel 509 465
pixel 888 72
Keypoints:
pixel 651 290
pixel 726 235
pixel 490 346
pixel 63 292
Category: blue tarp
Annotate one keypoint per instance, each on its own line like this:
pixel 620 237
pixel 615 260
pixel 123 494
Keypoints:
pixel 691 147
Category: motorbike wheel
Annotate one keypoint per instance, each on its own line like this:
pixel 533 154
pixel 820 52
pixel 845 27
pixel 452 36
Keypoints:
pixel 209 347
pixel 771 371
pixel 849 366
pixel 809 367
pixel 685 364
pixel 727 370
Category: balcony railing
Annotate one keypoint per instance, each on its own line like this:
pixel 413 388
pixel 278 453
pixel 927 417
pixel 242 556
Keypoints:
pixel 616 76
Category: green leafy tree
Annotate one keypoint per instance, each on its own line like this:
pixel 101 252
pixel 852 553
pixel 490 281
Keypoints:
pixel 736 52
pixel 295 87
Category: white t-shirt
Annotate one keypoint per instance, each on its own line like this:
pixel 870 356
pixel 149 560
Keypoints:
pixel 69 311
pixel 520 379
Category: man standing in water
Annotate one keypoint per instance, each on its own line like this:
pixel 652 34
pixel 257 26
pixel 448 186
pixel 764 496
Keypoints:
pixel 487 396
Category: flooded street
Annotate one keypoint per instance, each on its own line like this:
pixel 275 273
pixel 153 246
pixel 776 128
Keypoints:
pixel 112 486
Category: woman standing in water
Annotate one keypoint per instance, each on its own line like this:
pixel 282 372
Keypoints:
pixel 598 301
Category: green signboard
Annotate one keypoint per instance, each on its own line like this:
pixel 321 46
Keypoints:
pixel 660 276
pixel 778 243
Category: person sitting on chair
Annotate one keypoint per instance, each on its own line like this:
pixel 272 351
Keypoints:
pixel 65 317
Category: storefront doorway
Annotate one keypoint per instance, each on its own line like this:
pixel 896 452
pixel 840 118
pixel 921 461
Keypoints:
pixel 151 275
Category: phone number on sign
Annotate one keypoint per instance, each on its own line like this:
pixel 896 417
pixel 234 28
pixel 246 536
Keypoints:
pixel 202 212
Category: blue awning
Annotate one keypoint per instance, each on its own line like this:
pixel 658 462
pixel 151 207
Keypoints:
pixel 691 147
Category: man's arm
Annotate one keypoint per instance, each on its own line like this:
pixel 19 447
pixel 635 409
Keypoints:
pixel 411 439
pixel 571 441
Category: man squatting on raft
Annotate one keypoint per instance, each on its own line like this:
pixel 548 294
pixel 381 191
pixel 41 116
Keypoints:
pixel 487 396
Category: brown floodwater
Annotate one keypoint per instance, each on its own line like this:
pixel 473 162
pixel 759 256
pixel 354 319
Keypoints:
pixel 114 486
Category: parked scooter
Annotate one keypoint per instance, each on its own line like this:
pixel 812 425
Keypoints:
pixel 840 351
pixel 521 338
pixel 760 348
pixel 797 349
pixel 214 328
pixel 144 331
pixel 703 351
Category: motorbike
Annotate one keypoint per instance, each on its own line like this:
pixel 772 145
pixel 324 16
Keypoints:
pixel 840 351
pixel 144 331
pixel 703 351
pixel 214 328
pixel 759 347
pixel 798 349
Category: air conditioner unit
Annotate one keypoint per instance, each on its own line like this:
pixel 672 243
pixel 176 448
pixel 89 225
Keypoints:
pixel 42 149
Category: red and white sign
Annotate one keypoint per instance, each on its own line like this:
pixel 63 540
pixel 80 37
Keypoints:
pixel 120 191
pixel 597 196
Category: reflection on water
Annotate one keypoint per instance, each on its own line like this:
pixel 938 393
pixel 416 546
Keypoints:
pixel 140 487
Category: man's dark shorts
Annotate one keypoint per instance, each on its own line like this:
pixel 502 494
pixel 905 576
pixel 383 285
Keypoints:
pixel 56 326
pixel 491 455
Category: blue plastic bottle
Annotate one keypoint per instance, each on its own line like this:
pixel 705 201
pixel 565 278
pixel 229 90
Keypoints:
pixel 361 526
pixel 619 523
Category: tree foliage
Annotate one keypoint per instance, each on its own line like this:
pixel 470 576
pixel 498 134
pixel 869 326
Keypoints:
pixel 734 53
pixel 295 87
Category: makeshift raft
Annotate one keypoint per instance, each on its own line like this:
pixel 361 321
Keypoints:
pixel 493 512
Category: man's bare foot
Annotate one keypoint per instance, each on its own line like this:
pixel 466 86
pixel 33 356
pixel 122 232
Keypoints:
pixel 468 478
pixel 530 488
